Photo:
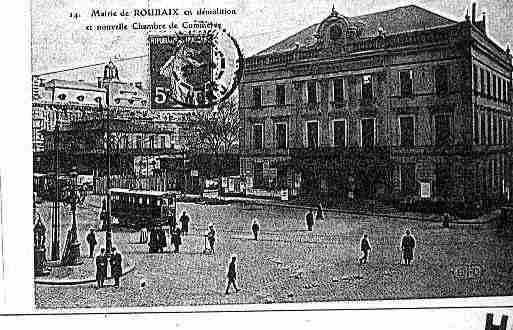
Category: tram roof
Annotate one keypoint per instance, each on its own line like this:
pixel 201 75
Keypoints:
pixel 141 192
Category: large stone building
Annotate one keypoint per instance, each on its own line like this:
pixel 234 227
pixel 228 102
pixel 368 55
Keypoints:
pixel 138 134
pixel 395 104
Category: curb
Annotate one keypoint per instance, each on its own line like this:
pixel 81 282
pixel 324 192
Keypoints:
pixel 72 281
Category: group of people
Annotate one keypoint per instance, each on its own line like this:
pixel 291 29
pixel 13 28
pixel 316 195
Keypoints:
pixel 310 218
pixel 407 247
pixel 158 240
pixel 407 242
pixel 102 261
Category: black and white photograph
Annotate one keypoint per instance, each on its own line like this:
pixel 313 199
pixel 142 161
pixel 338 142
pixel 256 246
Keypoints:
pixel 271 154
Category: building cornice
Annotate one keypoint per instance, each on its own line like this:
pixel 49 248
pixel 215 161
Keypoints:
pixel 450 34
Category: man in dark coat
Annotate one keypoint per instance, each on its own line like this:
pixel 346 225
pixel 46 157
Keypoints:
pixel 309 220
pixel 211 236
pixel 407 245
pixel 154 240
pixel 184 219
pixel 176 239
pixel 162 241
pixel 255 227
pixel 232 275
pixel 365 248
pixel 115 266
pixel 320 214
pixel 101 268
pixel 91 240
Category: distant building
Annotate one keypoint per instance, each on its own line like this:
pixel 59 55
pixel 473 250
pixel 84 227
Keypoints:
pixel 136 146
pixel 395 104
pixel 137 132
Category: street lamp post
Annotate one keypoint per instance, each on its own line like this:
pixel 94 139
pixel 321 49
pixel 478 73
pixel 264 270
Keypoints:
pixel 56 204
pixel 71 256
pixel 108 227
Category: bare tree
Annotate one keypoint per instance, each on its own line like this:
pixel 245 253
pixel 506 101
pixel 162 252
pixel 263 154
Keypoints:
pixel 214 131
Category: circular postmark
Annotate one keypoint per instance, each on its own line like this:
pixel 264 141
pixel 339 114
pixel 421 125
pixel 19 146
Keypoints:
pixel 197 69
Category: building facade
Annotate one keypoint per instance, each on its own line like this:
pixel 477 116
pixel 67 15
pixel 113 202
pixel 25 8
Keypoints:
pixel 138 135
pixel 397 104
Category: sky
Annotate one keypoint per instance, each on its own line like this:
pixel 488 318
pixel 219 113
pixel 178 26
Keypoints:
pixel 60 42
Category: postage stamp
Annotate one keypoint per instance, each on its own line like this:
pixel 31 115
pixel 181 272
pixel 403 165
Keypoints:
pixel 197 69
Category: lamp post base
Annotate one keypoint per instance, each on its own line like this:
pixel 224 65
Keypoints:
pixel 40 262
pixel 71 256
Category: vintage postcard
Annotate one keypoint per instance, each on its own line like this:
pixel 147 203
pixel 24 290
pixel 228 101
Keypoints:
pixel 265 154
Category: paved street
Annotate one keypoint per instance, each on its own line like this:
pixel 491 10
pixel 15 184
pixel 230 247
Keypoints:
pixel 290 264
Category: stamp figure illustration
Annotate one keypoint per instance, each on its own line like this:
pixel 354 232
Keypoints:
pixel 197 69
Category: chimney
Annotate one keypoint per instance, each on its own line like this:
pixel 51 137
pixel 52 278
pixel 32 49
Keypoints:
pixel 474 13
pixel 138 84
pixel 484 22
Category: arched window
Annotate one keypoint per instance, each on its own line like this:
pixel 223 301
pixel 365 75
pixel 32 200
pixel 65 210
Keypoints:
pixel 335 32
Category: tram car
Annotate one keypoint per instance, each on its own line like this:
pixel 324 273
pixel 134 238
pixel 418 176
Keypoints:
pixel 143 208
pixel 45 188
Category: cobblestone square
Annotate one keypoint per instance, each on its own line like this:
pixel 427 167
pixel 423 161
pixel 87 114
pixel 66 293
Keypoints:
pixel 290 264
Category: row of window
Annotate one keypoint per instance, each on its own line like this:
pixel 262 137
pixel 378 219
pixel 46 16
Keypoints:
pixel 491 128
pixel 366 83
pixel 151 142
pixel 442 132
pixel 491 85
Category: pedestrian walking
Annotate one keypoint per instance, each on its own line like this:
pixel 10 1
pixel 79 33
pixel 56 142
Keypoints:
pixel 309 220
pixel 143 236
pixel 176 239
pixel 184 220
pixel 101 268
pixel 365 248
pixel 320 213
pixel 115 266
pixel 211 236
pixel 154 240
pixel 232 275
pixel 445 220
pixel 91 240
pixel 162 240
pixel 408 245
pixel 255 227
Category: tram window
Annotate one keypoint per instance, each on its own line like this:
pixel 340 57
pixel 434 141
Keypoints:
pixel 147 201
pixel 140 200
pixel 158 202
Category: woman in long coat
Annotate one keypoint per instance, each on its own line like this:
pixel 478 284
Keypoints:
pixel 154 240
pixel 176 239
pixel 162 239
